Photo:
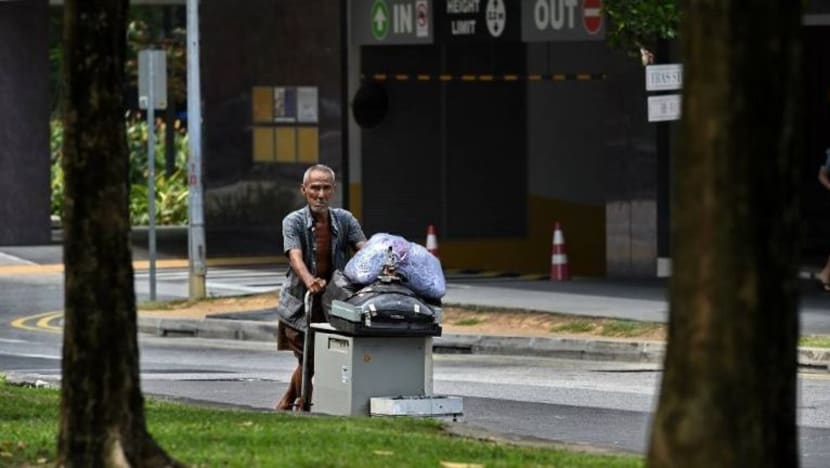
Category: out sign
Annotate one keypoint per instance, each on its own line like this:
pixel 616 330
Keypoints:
pixel 562 20
pixel 554 14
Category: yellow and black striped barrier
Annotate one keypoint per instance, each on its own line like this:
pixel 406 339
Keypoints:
pixel 483 78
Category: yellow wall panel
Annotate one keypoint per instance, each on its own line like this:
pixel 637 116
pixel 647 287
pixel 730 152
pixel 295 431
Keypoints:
pixel 262 101
pixel 286 144
pixel 309 146
pixel 263 144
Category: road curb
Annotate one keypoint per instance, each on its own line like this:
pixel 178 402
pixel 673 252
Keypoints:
pixel 208 328
pixel 572 348
pixel 560 347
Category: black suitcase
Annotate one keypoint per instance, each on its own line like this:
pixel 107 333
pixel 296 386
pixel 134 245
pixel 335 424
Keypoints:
pixel 383 308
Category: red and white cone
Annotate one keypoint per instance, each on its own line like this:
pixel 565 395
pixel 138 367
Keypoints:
pixel 432 240
pixel 558 257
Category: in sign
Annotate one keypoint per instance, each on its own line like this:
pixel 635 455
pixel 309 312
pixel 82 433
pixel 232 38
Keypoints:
pixel 403 18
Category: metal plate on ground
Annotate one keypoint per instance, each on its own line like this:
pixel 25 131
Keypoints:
pixel 418 405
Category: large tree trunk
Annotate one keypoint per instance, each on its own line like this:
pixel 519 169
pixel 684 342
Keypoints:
pixel 728 396
pixel 102 407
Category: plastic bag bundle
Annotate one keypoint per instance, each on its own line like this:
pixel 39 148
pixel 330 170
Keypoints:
pixel 421 270
pixel 423 273
pixel 368 262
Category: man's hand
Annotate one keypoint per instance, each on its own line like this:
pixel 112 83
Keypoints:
pixel 316 285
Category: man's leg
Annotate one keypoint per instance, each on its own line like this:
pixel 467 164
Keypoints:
pixel 294 341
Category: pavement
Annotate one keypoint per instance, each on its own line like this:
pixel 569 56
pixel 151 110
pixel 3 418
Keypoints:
pixel 642 299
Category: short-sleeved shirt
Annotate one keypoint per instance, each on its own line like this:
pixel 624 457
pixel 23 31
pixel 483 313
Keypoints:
pixel 298 233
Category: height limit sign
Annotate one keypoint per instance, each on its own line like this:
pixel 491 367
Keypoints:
pixel 152 79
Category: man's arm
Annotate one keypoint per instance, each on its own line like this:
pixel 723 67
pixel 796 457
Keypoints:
pixel 357 239
pixel 295 260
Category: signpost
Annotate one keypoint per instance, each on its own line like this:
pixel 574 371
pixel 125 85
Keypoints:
pixel 478 21
pixel 665 77
pixel 562 20
pixel 152 95
pixel 592 15
pixel 388 22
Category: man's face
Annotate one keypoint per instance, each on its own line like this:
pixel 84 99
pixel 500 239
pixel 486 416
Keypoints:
pixel 318 191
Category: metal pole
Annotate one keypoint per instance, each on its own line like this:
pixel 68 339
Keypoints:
pixel 196 228
pixel 151 173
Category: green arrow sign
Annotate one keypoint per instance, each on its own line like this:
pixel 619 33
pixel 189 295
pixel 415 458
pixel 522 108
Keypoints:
pixel 380 20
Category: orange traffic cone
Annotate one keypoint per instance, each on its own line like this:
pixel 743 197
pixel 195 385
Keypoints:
pixel 558 257
pixel 432 240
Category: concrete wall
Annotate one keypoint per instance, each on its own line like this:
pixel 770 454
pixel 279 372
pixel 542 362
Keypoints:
pixel 24 123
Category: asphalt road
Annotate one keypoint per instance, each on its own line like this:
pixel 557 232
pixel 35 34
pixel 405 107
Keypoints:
pixel 606 405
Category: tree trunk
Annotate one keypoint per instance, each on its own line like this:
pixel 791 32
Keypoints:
pixel 728 395
pixel 102 407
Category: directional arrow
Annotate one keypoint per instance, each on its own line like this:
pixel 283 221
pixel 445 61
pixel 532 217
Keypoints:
pixel 380 20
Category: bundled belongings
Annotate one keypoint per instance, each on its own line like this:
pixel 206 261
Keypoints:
pixel 420 270
pixel 388 304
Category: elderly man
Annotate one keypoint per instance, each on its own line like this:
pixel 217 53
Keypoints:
pixel 318 240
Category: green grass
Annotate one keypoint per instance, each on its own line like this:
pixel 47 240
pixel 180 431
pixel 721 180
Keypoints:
pixel 627 328
pixel 575 326
pixel 815 341
pixel 469 322
pixel 606 327
pixel 229 438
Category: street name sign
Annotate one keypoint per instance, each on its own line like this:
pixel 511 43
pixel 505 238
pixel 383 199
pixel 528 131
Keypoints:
pixel 663 107
pixel 152 73
pixel 664 77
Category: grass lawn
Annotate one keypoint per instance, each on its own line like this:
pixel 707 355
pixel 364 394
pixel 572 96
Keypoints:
pixel 209 437
pixel 815 341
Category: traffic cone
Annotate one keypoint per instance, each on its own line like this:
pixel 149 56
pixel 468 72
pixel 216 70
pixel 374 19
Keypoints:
pixel 558 257
pixel 432 240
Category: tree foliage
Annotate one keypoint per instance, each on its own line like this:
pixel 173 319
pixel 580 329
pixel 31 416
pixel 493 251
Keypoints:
pixel 636 25
pixel 171 189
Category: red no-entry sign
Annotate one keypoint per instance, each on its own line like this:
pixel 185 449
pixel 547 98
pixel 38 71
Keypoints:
pixel 592 15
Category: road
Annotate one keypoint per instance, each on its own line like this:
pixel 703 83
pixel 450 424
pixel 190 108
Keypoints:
pixel 601 404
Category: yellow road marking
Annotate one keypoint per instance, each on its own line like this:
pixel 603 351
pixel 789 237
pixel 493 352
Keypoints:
pixel 41 322
pixel 16 270
pixel 45 322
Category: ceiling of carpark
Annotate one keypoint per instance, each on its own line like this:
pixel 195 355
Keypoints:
pixel 134 2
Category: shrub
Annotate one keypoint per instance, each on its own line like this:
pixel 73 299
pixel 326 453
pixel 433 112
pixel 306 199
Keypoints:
pixel 171 191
